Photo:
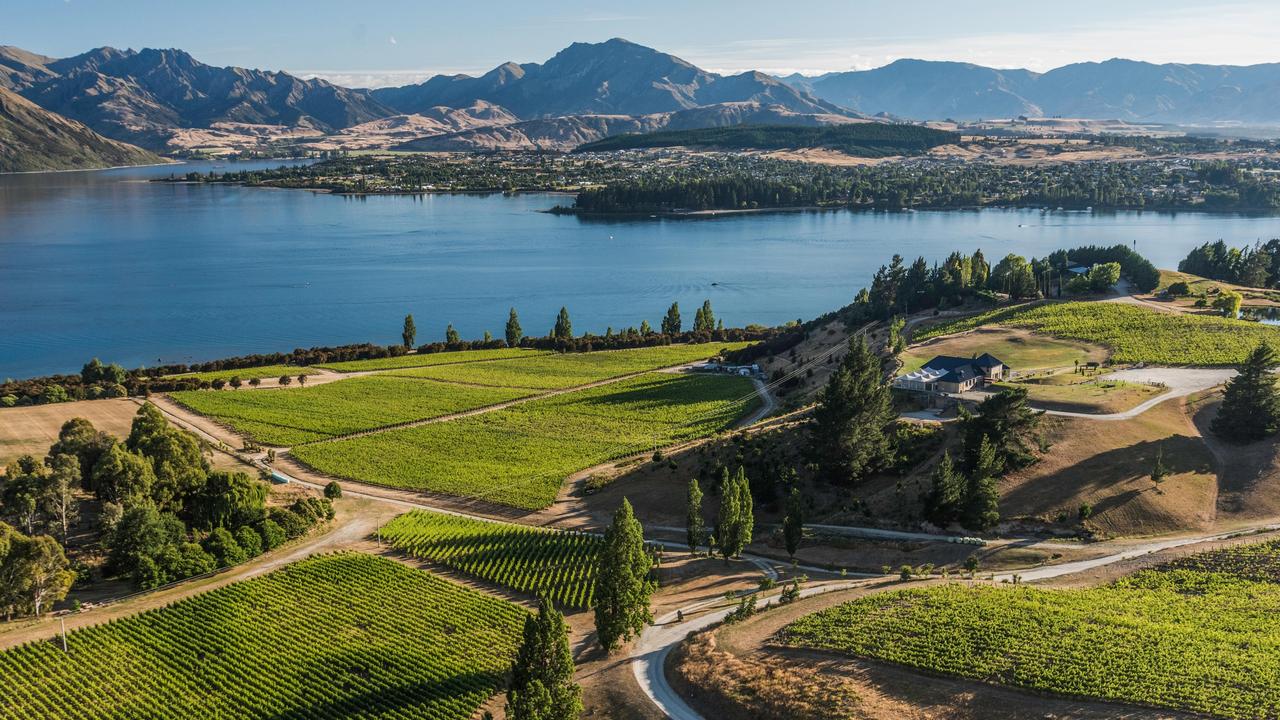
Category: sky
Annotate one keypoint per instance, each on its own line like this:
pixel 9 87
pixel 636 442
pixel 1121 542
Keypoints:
pixel 395 42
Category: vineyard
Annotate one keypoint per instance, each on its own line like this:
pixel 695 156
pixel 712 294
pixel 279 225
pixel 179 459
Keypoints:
pixel 337 636
pixel 261 373
pixel 430 359
pixel 292 416
pixel 519 456
pixel 551 372
pixel 1134 334
pixel 1197 634
pixel 557 565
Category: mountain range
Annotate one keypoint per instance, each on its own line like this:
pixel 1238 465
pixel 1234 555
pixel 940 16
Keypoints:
pixel 1112 90
pixel 166 100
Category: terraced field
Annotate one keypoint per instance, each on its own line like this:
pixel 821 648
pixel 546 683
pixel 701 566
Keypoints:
pixel 557 565
pixel 336 636
pixel 1133 333
pixel 289 416
pixel 551 372
pixel 432 359
pixel 519 456
pixel 1201 634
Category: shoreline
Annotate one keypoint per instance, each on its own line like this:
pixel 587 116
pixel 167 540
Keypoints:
pixel 93 169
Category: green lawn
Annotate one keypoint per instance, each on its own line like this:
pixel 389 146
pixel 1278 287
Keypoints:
pixel 430 359
pixel 332 636
pixel 563 370
pixel 1133 333
pixel 1200 634
pixel 519 456
pixel 288 416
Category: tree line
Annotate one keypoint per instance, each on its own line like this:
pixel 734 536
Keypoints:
pixel 1255 266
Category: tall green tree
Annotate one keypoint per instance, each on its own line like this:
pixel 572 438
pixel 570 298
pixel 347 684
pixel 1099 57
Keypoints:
pixel 514 332
pixel 694 526
pixel 1251 404
pixel 123 477
pixel 542 686
pixel 1006 421
pixel 793 522
pixel 982 498
pixel 451 335
pixel 78 437
pixel 736 523
pixel 623 588
pixel 671 323
pixel 851 431
pixel 705 319
pixel 58 495
pixel 563 329
pixel 410 332
pixel 947 492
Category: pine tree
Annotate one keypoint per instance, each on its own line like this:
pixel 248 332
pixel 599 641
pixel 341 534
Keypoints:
pixel 563 329
pixel 793 522
pixel 623 587
pixel 542 686
pixel 1006 421
pixel 853 415
pixel 695 527
pixel 982 499
pixel 514 332
pixel 947 491
pixel 410 331
pixel 451 335
pixel 671 323
pixel 1159 471
pixel 1251 404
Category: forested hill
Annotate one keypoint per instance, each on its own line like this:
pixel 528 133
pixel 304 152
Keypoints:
pixel 858 139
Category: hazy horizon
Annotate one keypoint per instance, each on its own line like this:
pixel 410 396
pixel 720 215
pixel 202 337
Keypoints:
pixel 406 42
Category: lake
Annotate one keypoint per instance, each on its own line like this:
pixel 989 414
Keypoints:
pixel 107 264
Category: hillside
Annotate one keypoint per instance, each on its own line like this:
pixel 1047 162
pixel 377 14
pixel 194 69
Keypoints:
pixel 568 132
pixel 859 139
pixel 616 77
pixel 35 139
pixel 1115 89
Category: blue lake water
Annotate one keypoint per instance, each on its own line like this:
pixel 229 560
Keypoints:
pixel 106 264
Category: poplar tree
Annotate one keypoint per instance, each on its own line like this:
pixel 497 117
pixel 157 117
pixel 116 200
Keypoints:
pixel 708 317
pixel 746 512
pixel 853 415
pixel 671 323
pixel 542 686
pixel 514 332
pixel 1251 405
pixel 410 331
pixel 695 528
pixel 793 522
pixel 623 587
pixel 737 517
pixel 451 335
pixel 563 329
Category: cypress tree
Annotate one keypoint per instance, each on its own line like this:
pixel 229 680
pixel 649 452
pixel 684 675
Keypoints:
pixel 947 492
pixel 542 686
pixel 563 329
pixel 1250 406
pixel 671 323
pixel 982 501
pixel 853 415
pixel 514 332
pixel 695 528
pixel 728 517
pixel 623 587
pixel 793 522
pixel 410 331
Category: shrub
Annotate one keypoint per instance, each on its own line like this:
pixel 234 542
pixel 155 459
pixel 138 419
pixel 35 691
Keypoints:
pixel 224 548
pixel 1179 289
pixel 333 490
pixel 290 522
pixel 249 540
pixel 272 534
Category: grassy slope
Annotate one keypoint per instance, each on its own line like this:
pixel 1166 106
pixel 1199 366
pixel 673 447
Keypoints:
pixel 327 637
pixel 520 456
pixel 32 138
pixel 1185 639
pixel 1133 333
